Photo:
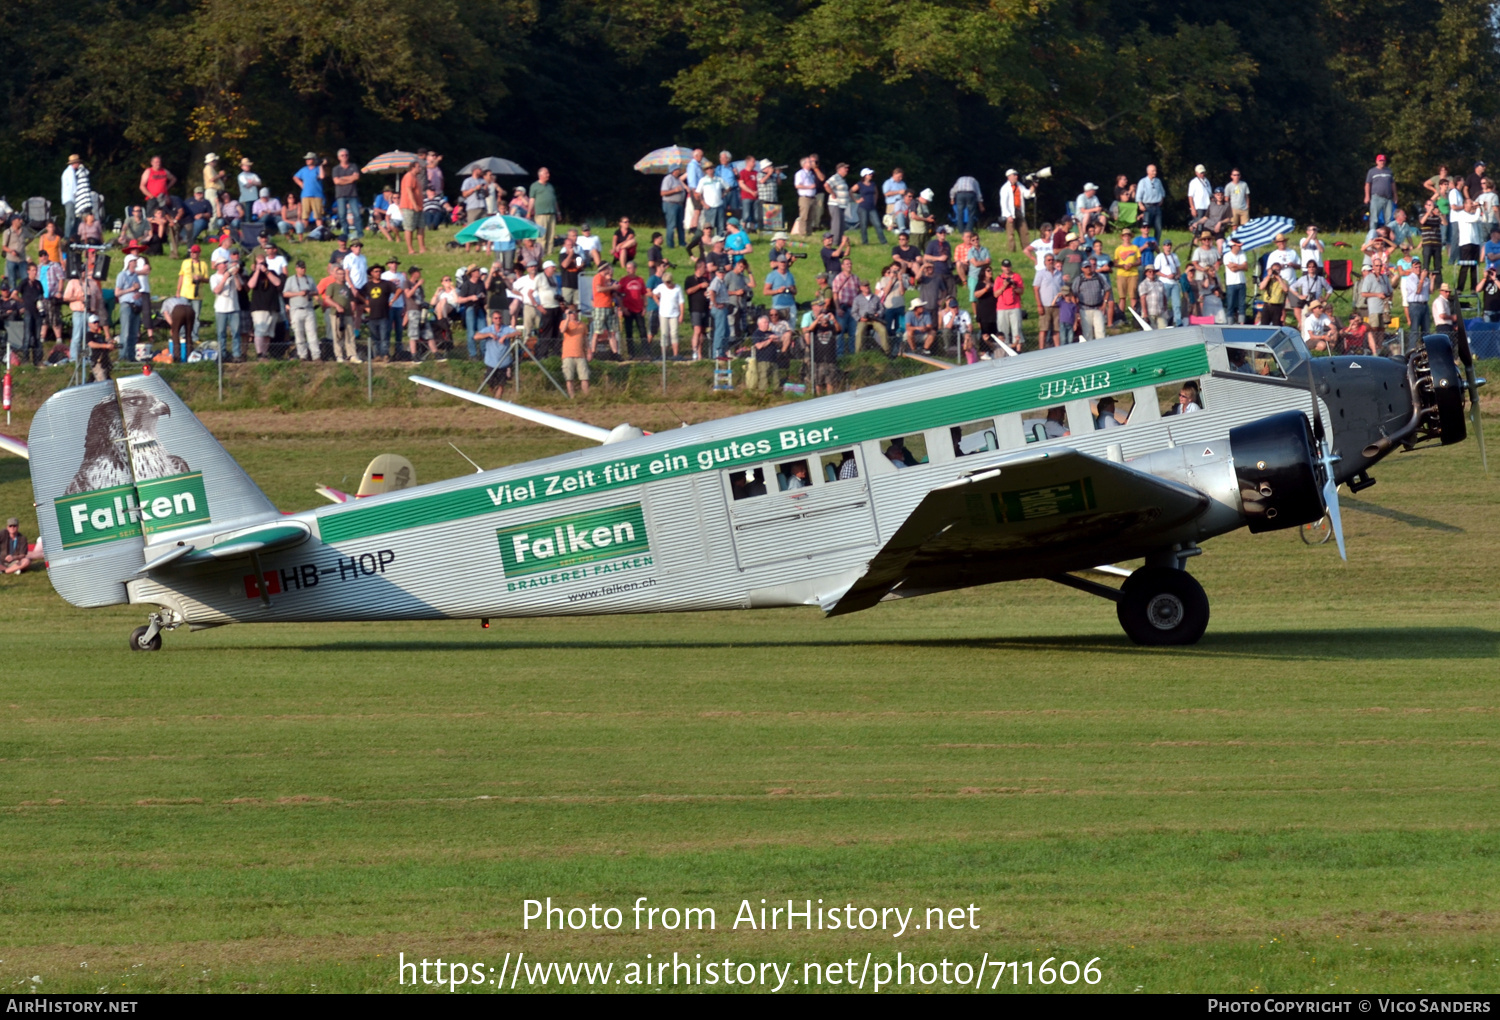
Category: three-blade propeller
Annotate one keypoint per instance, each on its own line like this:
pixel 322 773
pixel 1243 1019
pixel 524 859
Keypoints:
pixel 1473 382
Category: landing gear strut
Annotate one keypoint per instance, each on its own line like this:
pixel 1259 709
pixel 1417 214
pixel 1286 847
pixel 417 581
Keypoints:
pixel 148 638
pixel 1162 606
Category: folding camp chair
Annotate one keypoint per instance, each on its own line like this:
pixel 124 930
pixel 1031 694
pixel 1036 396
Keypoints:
pixel 1340 276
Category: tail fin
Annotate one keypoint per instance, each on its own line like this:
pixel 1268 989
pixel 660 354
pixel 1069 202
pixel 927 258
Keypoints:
pixel 120 466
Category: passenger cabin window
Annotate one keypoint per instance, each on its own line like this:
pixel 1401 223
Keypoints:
pixel 905 451
pixel 975 437
pixel 748 482
pixel 1053 424
pixel 1180 398
pixel 840 466
pixel 1113 411
pixel 793 475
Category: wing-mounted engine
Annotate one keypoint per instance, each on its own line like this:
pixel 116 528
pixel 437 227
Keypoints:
pixel 1277 468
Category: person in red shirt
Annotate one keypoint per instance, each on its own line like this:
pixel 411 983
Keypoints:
pixel 155 183
pixel 631 291
pixel 1008 289
pixel 749 178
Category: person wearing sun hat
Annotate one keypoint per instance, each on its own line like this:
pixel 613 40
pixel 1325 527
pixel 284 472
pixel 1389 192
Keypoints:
pixel 866 196
pixel 1087 208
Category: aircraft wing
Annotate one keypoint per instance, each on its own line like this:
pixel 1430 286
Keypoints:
pixel 14 447
pixel 1047 513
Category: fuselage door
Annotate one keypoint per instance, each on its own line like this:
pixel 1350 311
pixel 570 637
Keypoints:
pixel 785 511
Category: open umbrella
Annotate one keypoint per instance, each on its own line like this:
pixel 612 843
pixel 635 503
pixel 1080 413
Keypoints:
pixel 1262 230
pixel 390 162
pixel 498 228
pixel 497 166
pixel 661 161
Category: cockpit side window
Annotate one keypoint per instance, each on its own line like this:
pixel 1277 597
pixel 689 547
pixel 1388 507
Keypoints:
pixel 974 437
pixel 1291 353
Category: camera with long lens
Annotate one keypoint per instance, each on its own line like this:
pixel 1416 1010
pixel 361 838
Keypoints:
pixel 1037 175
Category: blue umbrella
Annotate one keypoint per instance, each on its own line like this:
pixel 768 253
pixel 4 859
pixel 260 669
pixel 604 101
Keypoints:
pixel 1263 230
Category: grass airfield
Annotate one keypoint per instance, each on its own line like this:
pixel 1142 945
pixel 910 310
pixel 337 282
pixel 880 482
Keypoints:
pixel 1305 801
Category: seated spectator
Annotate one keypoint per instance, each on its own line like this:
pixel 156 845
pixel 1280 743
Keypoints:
pixel 380 212
pixel 15 554
pixel 135 232
pixel 1318 329
pixel 231 212
pixel 289 220
pixel 919 326
pixel 1215 218
pixel 436 209
pixel 266 208
pixel 90 230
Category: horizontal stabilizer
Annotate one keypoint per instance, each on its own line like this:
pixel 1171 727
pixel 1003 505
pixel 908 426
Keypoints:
pixel 251 542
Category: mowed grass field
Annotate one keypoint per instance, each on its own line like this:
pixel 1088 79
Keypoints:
pixel 1305 801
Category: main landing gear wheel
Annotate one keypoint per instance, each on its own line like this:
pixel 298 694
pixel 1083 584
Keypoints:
pixel 1162 606
pixel 139 642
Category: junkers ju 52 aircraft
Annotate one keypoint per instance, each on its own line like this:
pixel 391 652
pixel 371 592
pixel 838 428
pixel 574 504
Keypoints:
pixel 1037 466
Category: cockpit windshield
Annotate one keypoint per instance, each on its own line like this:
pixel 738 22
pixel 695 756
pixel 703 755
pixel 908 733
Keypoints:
pixel 1276 357
pixel 1291 352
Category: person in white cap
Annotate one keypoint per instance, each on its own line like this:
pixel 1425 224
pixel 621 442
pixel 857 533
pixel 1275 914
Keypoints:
pixel 965 199
pixel 1086 209
pixel 249 182
pixel 1013 198
pixel 768 189
pixel 866 197
pixel 213 181
pixel 1200 193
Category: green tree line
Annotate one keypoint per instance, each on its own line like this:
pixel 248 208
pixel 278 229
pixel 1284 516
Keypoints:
pixel 1300 97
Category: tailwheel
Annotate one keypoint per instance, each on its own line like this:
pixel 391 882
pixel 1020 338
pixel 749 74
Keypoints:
pixel 1317 532
pixel 145 639
pixel 1162 606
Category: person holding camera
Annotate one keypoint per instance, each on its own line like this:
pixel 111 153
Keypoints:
pixel 869 316
pixel 780 285
pixel 1489 295
pixel 821 336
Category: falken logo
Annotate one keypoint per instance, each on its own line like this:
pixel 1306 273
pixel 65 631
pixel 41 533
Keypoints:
pixel 1091 382
pixel 129 511
pixel 563 542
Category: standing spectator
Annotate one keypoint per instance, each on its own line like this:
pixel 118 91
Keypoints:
pixel 939 255
pixel 1013 199
pixel 375 298
pixel 346 197
pixel 748 178
pixel 214 182
pixel 1150 192
pixel 1153 299
pixel 77 194
pixel 1008 290
pixel 1282 260
pixel 768 189
pixel 1466 220
pixel 1471 181
pixel 1088 209
pixel 544 206
pixel 965 199
pixel 31 293
pixel 866 206
pixel 762 370
pixel 1236 264
pixel 412 198
pixel 976 259
pixel 131 297
pixel 310 180
pixel 632 294
pixel 839 213
pixel 1380 194
pixel 698 305
pixel 1046 286
pixel 808 181
pixel 669 307
pixel 712 194
pixel 605 319
pixel 249 182
pixel 673 201
pixel 781 287
pixel 1127 258
pixel 1200 193
pixel 845 288
pixel 471 295
pixel 1094 299
pixel 690 178
pixel 1374 298
pixel 191 276
pixel 15 251
pixel 264 286
pixel 1273 291
pixel 300 292
pixel 575 364
pixel 719 309
pixel 1238 194
pixel 728 176
pixel 155 185
pixel 435 172
pixel 1416 293
pixel 357 266
pixel 226 284
pixel 339 302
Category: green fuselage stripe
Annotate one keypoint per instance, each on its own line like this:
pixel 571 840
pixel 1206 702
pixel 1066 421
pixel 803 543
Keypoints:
pixel 906 418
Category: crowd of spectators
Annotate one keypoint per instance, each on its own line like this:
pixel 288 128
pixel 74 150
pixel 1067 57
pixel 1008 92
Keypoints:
pixel 1101 265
